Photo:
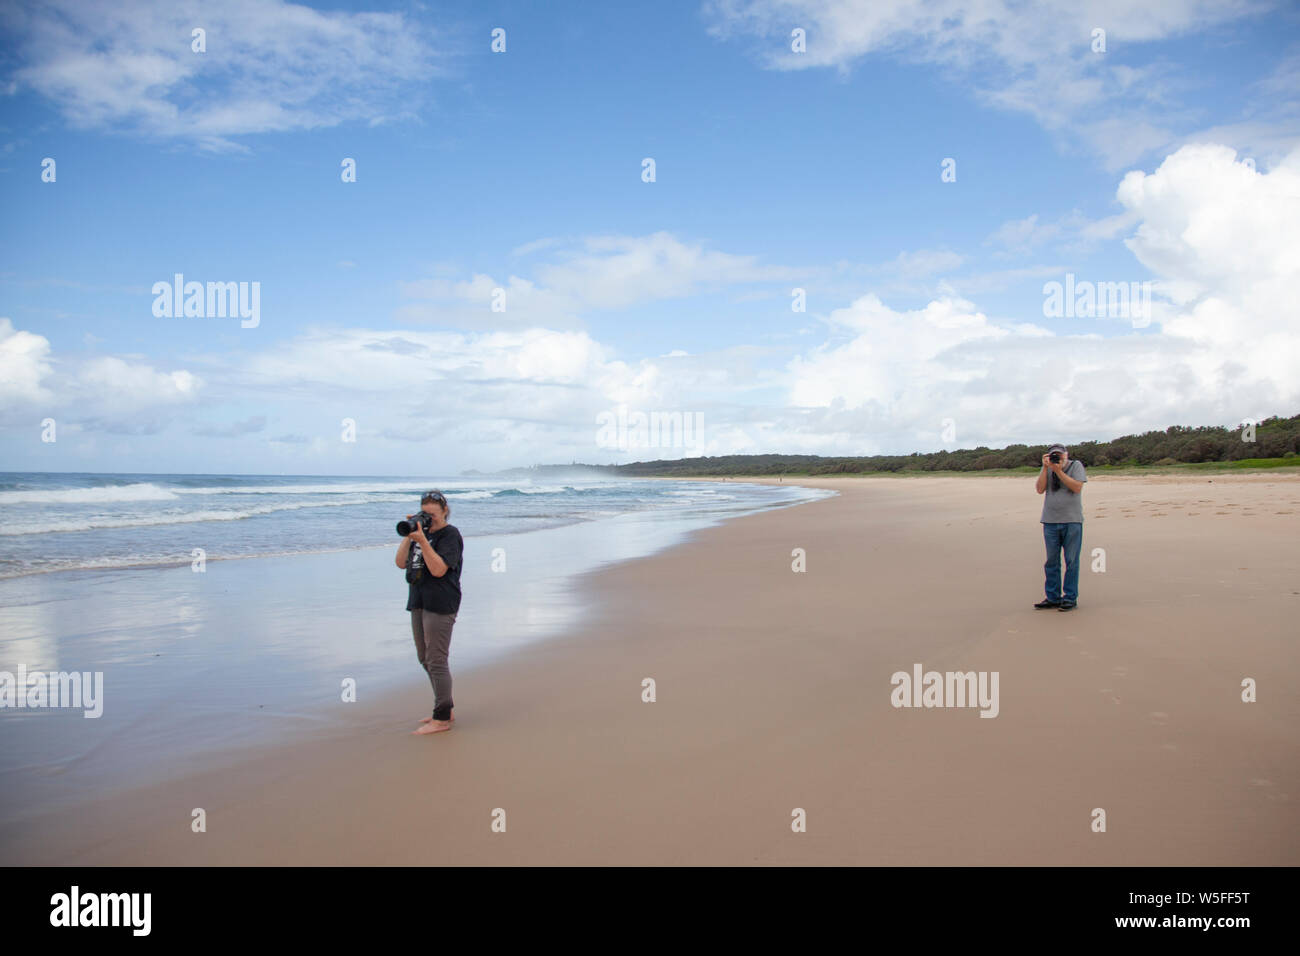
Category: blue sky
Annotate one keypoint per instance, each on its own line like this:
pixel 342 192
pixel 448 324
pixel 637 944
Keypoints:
pixel 1168 158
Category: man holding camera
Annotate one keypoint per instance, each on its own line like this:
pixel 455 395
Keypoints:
pixel 1061 484
pixel 430 553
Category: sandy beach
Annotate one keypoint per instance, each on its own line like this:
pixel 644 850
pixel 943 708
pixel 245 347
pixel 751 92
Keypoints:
pixel 774 693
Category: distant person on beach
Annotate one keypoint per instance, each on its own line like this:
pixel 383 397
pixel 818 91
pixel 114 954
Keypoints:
pixel 1061 484
pixel 432 563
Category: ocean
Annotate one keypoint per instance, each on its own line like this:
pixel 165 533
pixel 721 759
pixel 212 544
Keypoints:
pixel 60 522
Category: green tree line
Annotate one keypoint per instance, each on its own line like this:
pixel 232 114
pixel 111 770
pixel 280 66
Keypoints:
pixel 1274 438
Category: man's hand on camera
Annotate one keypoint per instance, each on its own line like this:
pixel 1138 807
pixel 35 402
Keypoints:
pixel 1047 461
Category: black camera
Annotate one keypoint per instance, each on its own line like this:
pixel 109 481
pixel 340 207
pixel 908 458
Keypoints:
pixel 1054 458
pixel 406 527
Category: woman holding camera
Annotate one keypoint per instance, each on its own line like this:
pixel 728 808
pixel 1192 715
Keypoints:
pixel 431 556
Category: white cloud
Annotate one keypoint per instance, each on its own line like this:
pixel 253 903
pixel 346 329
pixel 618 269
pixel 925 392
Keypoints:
pixel 1224 241
pixel 1024 235
pixel 467 303
pixel 445 367
pixel 1226 238
pixel 106 390
pixel 1033 58
pixel 613 272
pixel 924 262
pixel 996 280
pixel 894 358
pixel 599 272
pixel 247 426
pixel 486 399
pixel 537 245
pixel 1073 231
pixel 24 366
pixel 116 384
pixel 270 66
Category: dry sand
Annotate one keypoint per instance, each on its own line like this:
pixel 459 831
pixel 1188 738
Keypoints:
pixel 774 693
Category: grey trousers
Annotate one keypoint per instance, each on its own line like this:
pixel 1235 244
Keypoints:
pixel 432 634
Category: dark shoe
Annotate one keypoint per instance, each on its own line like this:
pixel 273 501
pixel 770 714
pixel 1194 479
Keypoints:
pixel 1046 603
pixel 1066 606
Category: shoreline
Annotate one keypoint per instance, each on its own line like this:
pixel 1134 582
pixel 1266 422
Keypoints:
pixel 773 694
pixel 246 649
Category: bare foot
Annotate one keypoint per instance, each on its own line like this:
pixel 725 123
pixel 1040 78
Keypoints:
pixel 425 720
pixel 433 727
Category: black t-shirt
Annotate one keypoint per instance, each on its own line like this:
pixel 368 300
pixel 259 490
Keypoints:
pixel 429 593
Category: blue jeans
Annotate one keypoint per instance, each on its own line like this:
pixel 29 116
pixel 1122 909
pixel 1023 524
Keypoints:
pixel 1068 535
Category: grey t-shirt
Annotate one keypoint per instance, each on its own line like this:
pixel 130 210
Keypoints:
pixel 1063 505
